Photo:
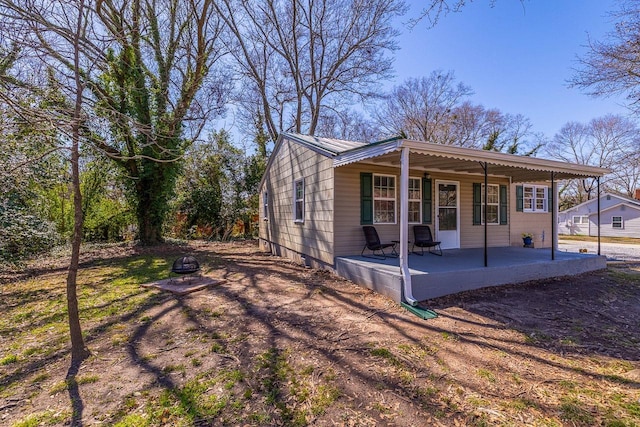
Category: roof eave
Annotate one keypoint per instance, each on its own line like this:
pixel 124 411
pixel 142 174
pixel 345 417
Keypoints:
pixel 563 170
pixel 504 159
pixel 367 152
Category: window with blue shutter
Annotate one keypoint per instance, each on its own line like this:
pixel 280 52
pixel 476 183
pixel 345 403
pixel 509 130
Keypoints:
pixel 477 203
pixel 427 204
pixel 519 198
pixel 366 198
pixel 504 211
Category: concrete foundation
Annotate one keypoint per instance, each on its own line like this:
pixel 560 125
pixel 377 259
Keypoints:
pixel 463 269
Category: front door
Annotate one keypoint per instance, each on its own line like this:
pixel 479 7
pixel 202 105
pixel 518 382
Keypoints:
pixel 448 217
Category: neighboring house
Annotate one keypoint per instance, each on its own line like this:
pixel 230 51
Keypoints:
pixel 317 193
pixel 619 217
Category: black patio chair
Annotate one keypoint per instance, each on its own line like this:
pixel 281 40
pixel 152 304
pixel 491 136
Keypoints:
pixel 422 238
pixel 374 245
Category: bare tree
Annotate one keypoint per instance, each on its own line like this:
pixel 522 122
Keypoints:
pixel 346 124
pixel 610 142
pixel 423 108
pixel 509 133
pixel 298 58
pixel 436 9
pixel 468 127
pixel 435 109
pixel 78 349
pixel 65 113
pixel 611 66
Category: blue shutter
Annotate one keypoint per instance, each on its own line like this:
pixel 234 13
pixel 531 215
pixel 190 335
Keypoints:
pixel 477 203
pixel 504 211
pixel 427 204
pixel 519 198
pixel 366 198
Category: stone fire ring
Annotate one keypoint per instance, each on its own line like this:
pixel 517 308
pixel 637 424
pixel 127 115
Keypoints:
pixel 183 286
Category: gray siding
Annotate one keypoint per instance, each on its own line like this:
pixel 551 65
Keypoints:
pixel 314 237
pixel 630 223
pixel 611 205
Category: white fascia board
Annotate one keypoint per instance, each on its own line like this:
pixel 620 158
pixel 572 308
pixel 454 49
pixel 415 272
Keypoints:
pixel 366 152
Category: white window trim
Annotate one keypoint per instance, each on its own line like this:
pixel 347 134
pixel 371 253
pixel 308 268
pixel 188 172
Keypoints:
pixel 394 199
pixel 490 204
pixel 419 200
pixel 621 222
pixel 296 200
pixel 584 220
pixel 533 202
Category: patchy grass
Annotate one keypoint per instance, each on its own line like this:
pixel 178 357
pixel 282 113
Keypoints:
pixel 46 418
pixel 73 382
pixel 282 345
pixel 9 359
pixel 603 239
pixel 575 411
pixel 487 375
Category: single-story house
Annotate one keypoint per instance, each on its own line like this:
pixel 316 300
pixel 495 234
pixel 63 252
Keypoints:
pixel 317 193
pixel 619 217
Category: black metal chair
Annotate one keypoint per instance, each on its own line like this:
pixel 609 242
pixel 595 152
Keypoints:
pixel 422 238
pixel 374 245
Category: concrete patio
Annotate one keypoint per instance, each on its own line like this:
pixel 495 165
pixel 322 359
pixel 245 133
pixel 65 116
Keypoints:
pixel 463 269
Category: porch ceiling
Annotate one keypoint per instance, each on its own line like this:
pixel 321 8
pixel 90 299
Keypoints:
pixel 444 158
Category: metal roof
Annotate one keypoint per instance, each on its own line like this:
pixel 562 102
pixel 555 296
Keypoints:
pixel 446 158
pixel 331 145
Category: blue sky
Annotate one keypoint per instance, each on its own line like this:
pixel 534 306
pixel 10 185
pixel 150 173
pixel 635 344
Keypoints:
pixel 516 57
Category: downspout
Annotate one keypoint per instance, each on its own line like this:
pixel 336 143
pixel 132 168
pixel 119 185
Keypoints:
pixel 554 217
pixel 598 180
pixel 484 210
pixel 404 227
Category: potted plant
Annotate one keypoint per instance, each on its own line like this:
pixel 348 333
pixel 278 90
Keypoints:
pixel 527 238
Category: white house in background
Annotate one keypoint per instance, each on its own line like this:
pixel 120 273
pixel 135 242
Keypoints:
pixel 619 217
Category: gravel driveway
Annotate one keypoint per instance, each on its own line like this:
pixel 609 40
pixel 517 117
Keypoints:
pixel 613 251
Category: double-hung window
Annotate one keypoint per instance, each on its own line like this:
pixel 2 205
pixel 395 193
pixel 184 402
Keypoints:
pixel 384 199
pixel 493 204
pixel 616 222
pixel 415 200
pixel 496 204
pixel 580 220
pixel 298 200
pixel 535 198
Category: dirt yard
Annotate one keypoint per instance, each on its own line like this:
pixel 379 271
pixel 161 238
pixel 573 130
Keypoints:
pixel 277 344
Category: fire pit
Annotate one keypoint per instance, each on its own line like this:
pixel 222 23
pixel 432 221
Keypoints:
pixel 185 266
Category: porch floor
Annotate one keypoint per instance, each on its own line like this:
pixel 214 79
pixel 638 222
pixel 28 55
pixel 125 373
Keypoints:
pixel 463 269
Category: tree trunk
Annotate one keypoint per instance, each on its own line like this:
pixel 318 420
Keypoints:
pixel 149 228
pixel 153 190
pixel 79 351
pixel 247 228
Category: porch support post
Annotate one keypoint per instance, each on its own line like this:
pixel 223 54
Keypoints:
pixel 554 216
pixel 404 227
pixel 484 211
pixel 598 181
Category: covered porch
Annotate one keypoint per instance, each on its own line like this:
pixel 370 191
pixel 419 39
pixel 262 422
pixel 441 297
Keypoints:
pixel 477 262
pixel 463 269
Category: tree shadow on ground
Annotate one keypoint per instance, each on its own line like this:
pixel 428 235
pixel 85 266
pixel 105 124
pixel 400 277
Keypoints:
pixel 591 314
pixel 278 344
